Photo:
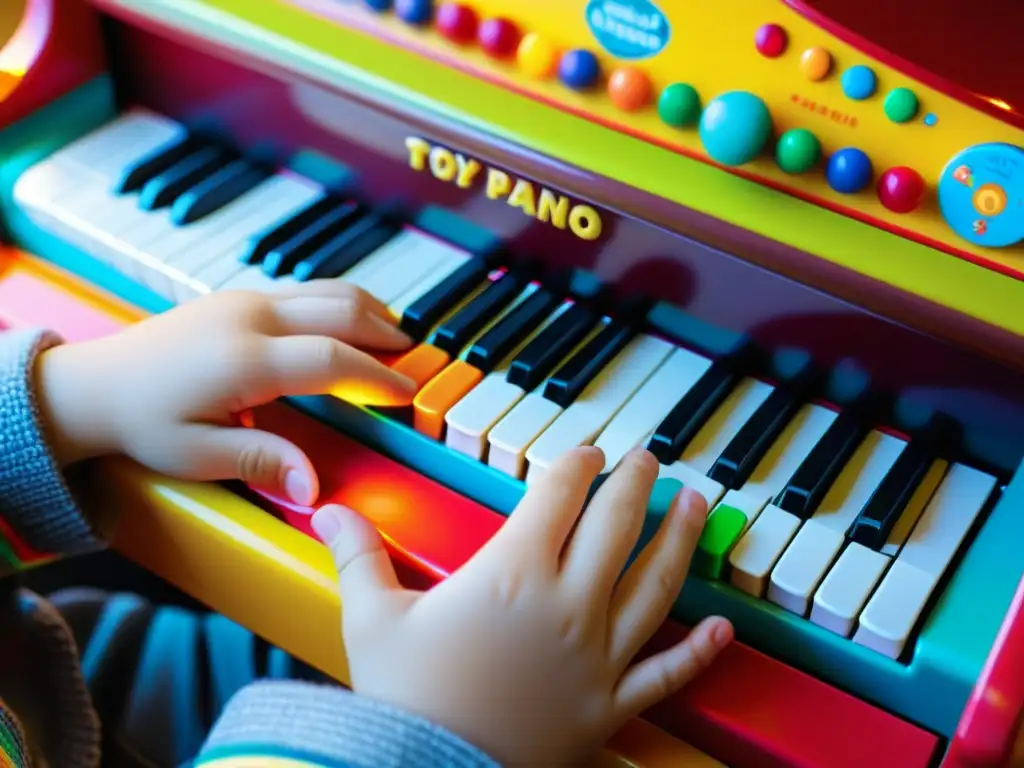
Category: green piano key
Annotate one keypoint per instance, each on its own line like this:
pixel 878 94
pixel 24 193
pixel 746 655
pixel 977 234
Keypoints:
pixel 721 531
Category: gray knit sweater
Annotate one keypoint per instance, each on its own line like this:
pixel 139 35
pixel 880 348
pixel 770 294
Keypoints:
pixel 46 718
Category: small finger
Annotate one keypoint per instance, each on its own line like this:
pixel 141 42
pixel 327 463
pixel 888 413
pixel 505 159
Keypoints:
pixel 545 516
pixel 343 318
pixel 338 289
pixel 610 527
pixel 365 571
pixel 644 597
pixel 313 365
pixel 260 459
pixel 658 677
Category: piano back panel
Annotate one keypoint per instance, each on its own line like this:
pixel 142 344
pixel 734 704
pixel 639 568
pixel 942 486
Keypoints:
pixel 279 114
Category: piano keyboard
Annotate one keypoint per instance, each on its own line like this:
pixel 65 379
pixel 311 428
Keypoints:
pixel 226 547
pixel 817 514
pixel 850 527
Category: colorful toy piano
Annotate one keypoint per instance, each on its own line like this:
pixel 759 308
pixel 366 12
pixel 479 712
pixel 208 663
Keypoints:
pixel 780 243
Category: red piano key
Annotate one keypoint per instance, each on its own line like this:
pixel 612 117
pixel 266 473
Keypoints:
pixel 747 710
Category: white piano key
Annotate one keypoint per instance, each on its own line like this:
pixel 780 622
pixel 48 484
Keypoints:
pixel 107 149
pixel 890 615
pixel 36 192
pixel 707 445
pixel 915 508
pixel 471 419
pixel 710 489
pixel 846 589
pixel 650 404
pixel 598 403
pixel 850 582
pixel 253 279
pixel 428 283
pixel 209 279
pixel 757 551
pixel 788 451
pixel 516 432
pixel 407 243
pixel 750 506
pixel 266 206
pixel 399 264
pixel 817 544
pixel 475 415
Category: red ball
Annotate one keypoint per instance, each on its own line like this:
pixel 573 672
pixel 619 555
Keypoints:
pixel 499 38
pixel 771 40
pixel 901 189
pixel 457 22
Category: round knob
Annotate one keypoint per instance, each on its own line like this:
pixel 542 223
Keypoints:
pixel 981 194
pixel 901 189
pixel 848 170
pixel 735 127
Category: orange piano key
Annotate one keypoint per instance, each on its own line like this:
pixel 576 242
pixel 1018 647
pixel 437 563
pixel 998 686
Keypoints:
pixel 438 397
pixel 422 364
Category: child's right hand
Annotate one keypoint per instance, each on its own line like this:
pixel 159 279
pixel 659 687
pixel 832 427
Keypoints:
pixel 527 651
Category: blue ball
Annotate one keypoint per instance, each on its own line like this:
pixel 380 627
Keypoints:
pixel 849 171
pixel 735 127
pixel 579 69
pixel 859 82
pixel 414 11
pixel 379 5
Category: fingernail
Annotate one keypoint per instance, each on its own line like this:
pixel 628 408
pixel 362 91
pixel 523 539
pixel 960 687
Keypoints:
pixel 297 487
pixel 393 331
pixel 326 524
pixel 722 633
pixel 407 384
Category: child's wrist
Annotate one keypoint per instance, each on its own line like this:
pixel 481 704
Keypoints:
pixel 76 418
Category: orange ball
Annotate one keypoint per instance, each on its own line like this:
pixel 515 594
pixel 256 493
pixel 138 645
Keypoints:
pixel 629 88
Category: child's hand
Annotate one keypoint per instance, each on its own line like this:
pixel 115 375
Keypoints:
pixel 526 651
pixel 169 391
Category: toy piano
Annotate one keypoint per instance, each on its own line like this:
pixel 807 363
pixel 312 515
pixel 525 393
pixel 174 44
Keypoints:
pixel 779 243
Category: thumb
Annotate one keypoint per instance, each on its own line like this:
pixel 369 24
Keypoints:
pixel 365 571
pixel 261 459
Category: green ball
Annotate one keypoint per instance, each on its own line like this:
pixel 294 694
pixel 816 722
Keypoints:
pixel 900 105
pixel 679 105
pixel 798 151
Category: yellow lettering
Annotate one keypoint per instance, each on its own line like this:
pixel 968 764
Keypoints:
pixel 442 164
pixel 468 169
pixel 522 197
pixel 418 151
pixel 498 183
pixel 553 209
pixel 584 222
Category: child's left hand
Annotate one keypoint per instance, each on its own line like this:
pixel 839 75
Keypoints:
pixel 168 391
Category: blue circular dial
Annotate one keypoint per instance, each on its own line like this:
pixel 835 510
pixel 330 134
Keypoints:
pixel 981 194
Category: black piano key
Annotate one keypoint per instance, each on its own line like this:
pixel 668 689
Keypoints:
pixel 281 259
pixel 875 522
pixel 267 241
pixel 213 193
pixel 743 453
pixel 156 162
pixel 693 410
pixel 512 330
pixel 166 187
pixel 565 384
pixel 551 346
pixel 420 316
pixel 809 484
pixel 457 330
pixel 346 249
